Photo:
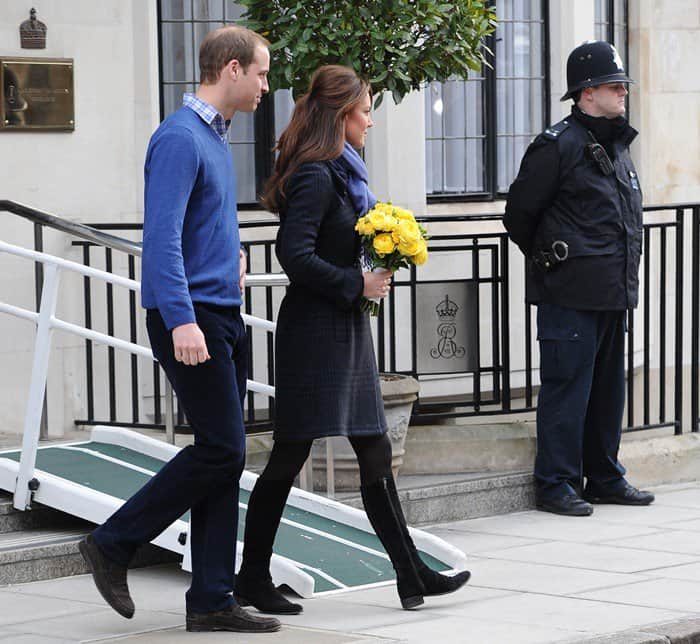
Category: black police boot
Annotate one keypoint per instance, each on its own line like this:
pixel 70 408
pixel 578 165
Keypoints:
pixel 618 493
pixel 570 505
pixel 109 577
pixel 414 579
pixel 435 583
pixel 254 585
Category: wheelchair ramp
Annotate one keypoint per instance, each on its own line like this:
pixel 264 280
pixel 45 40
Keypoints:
pixel 322 546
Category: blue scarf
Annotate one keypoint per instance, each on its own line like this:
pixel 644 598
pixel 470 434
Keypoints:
pixel 358 181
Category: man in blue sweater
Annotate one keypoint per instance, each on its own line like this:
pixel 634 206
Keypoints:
pixel 192 284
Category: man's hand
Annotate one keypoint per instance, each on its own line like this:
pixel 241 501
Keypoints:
pixel 189 344
pixel 244 266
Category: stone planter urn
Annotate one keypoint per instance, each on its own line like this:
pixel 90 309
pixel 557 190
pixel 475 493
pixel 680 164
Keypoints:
pixel 398 394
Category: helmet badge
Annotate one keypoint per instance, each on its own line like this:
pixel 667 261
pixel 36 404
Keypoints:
pixel 616 59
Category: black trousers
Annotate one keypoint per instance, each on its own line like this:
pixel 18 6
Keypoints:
pixel 581 400
pixel 202 477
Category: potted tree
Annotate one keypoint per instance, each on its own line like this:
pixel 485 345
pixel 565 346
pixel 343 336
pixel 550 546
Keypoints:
pixel 398 46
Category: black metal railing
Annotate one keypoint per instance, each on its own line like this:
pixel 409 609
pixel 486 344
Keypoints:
pixel 476 251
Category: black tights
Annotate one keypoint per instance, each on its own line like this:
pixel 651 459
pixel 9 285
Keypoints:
pixel 373 456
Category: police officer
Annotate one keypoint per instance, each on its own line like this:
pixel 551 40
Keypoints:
pixel 575 210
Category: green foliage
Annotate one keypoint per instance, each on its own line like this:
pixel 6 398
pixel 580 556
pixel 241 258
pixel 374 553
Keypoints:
pixel 397 44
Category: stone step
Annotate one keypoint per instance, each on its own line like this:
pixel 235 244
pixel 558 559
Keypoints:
pixel 42 543
pixel 39 516
pixel 36 554
pixel 436 498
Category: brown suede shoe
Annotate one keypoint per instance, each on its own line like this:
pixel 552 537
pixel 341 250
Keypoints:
pixel 109 577
pixel 233 619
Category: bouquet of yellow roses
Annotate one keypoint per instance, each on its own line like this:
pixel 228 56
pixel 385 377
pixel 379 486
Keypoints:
pixel 391 239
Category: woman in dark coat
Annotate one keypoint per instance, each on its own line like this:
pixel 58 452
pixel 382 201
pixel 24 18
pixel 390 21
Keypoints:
pixel 326 377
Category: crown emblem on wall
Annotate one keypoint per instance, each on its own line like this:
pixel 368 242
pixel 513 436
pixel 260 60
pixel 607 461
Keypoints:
pixel 447 310
pixel 32 32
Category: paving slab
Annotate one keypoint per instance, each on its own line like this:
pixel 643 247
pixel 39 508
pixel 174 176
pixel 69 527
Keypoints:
pixel 691 572
pixel 542 578
pixel 683 541
pixel 543 526
pixel 592 556
pixel 687 524
pixel 465 629
pixel 387 598
pixel 472 542
pixel 567 613
pixel 96 625
pixel 336 614
pixel 671 594
pixel 17 609
pixel 688 497
pixel 627 637
pixel 19 638
pixel 287 635
pixel 160 588
pixel 658 515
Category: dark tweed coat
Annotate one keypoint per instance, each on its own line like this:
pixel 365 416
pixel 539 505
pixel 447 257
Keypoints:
pixel 325 371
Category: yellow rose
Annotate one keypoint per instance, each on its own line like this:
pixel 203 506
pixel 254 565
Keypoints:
pixel 407 236
pixel 403 214
pixel 422 255
pixel 381 220
pixel 383 244
pixel 364 226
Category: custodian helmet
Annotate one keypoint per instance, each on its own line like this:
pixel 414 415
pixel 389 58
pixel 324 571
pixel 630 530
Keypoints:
pixel 596 62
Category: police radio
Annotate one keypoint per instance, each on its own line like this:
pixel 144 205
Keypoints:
pixel 597 152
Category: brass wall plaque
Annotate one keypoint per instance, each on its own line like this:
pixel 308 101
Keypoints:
pixel 37 94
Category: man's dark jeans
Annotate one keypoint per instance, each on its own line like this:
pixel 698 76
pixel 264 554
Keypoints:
pixel 202 477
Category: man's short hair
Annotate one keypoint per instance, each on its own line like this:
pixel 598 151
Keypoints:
pixel 223 45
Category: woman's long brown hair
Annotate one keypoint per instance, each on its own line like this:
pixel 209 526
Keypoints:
pixel 316 131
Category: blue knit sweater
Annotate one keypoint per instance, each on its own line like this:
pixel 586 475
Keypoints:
pixel 190 230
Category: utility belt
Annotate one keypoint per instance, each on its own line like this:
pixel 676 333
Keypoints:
pixel 549 258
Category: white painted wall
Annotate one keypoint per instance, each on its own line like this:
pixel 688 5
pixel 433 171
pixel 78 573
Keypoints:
pixel 92 174
pixel 395 152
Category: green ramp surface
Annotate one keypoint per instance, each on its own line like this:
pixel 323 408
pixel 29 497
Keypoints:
pixel 343 553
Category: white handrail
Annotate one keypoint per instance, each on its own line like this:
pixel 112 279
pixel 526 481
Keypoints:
pixel 46 322
pixel 89 271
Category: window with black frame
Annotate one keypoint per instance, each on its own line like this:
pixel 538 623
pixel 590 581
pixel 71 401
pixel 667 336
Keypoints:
pixel 611 24
pixel 182 27
pixel 477 129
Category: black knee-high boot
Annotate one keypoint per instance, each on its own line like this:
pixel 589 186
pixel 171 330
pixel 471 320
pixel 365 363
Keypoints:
pixel 387 524
pixel 414 578
pixel 435 583
pixel 254 583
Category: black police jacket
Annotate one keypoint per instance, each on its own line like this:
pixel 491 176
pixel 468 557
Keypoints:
pixel 562 194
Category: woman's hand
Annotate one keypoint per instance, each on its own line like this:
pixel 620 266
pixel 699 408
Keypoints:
pixel 377 284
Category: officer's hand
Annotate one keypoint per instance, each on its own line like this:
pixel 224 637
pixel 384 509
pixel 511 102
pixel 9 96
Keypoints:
pixel 189 344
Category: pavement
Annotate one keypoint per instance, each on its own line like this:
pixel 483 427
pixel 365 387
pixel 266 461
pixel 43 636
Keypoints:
pixel 624 575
